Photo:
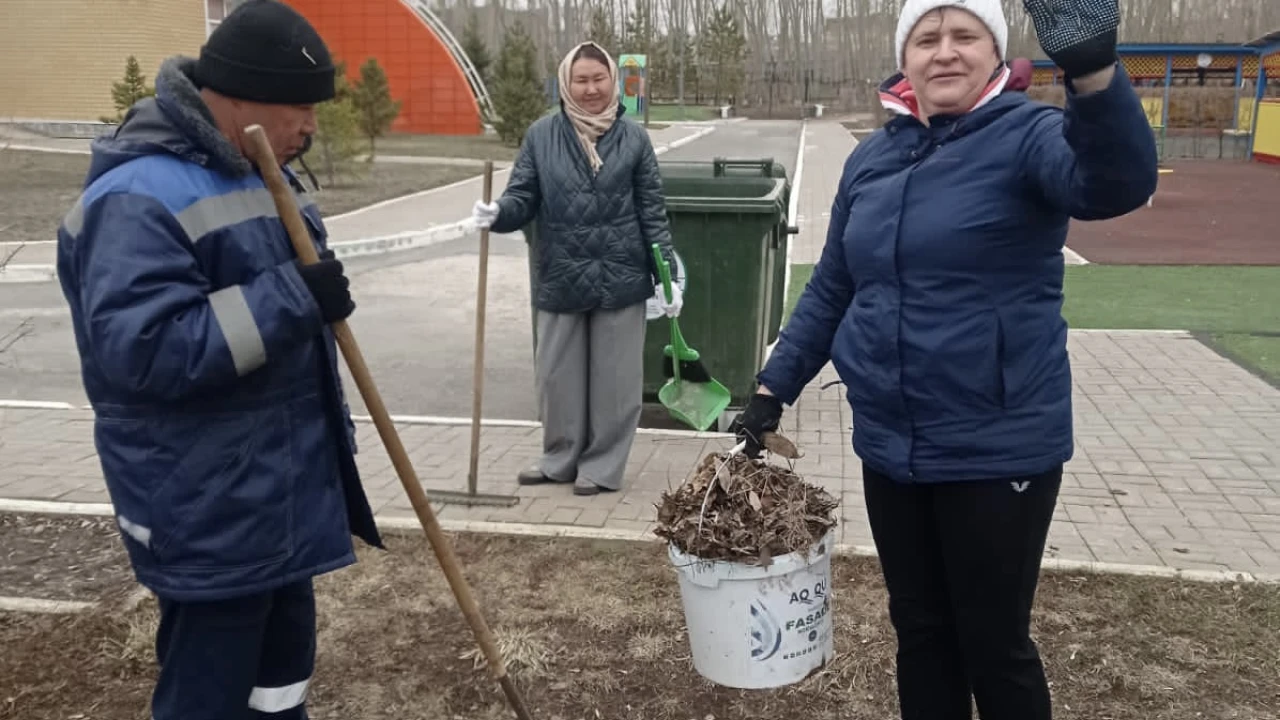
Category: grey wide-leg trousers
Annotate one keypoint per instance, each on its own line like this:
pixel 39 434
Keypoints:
pixel 590 374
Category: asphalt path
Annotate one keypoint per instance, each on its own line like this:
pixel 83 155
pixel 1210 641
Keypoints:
pixel 415 323
pixel 778 140
pixel 415 317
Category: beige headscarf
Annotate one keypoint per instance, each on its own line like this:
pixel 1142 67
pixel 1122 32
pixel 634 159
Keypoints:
pixel 589 127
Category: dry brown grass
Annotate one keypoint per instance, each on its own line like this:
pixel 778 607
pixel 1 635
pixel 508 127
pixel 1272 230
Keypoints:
pixel 595 630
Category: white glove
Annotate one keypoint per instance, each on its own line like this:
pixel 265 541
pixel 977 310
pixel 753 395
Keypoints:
pixel 670 309
pixel 656 306
pixel 483 214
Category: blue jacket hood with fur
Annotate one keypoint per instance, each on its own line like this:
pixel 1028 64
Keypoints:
pixel 220 420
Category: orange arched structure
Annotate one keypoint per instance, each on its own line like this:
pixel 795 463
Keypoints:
pixel 431 87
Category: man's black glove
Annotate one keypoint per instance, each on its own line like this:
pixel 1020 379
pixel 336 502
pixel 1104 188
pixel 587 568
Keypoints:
pixel 761 415
pixel 329 286
pixel 1079 36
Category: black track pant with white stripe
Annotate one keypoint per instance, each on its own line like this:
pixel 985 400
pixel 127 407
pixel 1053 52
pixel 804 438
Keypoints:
pixel 248 658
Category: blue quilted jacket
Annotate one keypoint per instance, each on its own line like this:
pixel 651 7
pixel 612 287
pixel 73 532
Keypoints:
pixel 220 418
pixel 938 295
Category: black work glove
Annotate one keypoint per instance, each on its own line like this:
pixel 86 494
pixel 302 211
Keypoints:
pixel 761 415
pixel 1079 36
pixel 329 286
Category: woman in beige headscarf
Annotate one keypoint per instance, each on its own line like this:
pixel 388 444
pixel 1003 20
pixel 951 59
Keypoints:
pixel 587 179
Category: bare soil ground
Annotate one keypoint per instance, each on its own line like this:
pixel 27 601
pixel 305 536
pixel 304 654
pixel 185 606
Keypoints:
pixel 594 630
pixel 37 189
pixel 60 558
pixel 383 181
pixel 482 147
pixel 475 147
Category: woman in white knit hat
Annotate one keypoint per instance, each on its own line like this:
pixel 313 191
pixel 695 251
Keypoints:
pixel 938 298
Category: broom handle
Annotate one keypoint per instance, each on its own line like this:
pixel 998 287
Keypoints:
pixel 258 148
pixel 482 293
pixel 664 270
pixel 678 346
pixel 664 273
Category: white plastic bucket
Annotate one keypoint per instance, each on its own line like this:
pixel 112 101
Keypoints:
pixel 754 627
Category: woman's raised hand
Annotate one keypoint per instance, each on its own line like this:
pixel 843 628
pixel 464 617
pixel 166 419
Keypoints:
pixel 1079 36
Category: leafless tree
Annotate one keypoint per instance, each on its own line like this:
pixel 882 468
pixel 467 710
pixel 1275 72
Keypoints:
pixel 804 51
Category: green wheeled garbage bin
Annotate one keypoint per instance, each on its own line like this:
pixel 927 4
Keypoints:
pixel 729 226
pixel 763 167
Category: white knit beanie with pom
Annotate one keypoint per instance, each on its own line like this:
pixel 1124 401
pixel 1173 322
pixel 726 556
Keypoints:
pixel 988 11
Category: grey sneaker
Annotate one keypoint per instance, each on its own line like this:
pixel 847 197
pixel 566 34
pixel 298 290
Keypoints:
pixel 532 476
pixel 583 486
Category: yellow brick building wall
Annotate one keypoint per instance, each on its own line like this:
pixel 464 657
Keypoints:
pixel 58 58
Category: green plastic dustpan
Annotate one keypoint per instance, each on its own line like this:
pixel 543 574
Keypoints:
pixel 696 404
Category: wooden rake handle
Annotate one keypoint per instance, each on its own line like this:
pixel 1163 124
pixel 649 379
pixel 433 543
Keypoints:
pixel 477 383
pixel 258 148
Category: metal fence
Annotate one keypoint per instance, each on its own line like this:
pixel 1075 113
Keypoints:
pixel 1201 122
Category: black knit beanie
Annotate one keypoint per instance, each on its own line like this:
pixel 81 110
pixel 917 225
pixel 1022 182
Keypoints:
pixel 265 51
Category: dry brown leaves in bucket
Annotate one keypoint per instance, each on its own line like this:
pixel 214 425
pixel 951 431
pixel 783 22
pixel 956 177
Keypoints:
pixel 736 508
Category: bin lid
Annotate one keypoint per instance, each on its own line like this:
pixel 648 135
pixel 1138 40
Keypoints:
pixel 742 194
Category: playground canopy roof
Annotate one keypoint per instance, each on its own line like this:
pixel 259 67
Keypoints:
pixel 1267 44
pixel 1261 47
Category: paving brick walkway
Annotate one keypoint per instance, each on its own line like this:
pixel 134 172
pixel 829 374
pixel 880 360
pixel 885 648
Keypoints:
pixel 1177 465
